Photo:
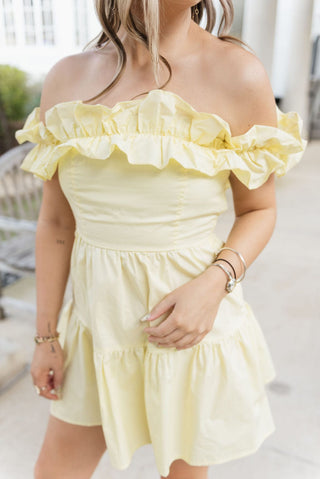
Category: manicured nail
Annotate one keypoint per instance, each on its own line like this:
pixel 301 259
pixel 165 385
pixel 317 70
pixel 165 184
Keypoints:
pixel 145 317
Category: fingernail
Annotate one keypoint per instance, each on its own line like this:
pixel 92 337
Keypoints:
pixel 145 317
pixel 52 391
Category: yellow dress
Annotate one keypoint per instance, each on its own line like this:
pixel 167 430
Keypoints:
pixel 146 181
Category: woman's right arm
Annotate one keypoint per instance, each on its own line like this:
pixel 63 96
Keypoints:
pixel 54 242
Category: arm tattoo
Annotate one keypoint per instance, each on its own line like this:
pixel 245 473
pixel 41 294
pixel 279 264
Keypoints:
pixel 51 344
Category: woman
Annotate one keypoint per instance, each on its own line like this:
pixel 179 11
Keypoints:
pixel 132 191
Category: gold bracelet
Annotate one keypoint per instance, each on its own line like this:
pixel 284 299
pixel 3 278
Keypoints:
pixel 41 339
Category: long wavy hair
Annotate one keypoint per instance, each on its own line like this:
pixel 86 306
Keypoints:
pixel 115 13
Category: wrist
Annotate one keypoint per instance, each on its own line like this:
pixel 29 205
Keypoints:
pixel 218 279
pixel 46 339
pixel 53 332
pixel 46 327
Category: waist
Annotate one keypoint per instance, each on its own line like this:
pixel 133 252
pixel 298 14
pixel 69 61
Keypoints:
pixel 210 241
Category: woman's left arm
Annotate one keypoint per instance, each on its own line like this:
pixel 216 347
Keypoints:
pixel 196 302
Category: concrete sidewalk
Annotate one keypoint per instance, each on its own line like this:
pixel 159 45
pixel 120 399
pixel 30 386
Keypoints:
pixel 283 288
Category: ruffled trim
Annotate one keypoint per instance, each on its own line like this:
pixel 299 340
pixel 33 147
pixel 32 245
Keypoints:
pixel 156 129
pixel 78 372
pixel 211 398
pixel 139 393
pixel 265 149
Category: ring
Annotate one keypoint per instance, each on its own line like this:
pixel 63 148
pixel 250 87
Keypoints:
pixel 37 388
pixel 51 372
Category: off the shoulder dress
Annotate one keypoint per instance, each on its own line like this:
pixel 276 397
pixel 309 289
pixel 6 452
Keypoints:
pixel 146 181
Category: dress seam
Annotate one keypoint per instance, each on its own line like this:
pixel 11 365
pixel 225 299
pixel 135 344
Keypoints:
pixel 210 239
pixel 177 222
pixel 75 193
pixel 234 335
pixel 79 320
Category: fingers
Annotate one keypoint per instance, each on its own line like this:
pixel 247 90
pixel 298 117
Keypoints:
pixel 44 391
pixel 167 326
pixel 179 338
pixel 171 338
pixel 162 307
pixel 44 384
pixel 185 344
pixel 187 341
pixel 58 380
pixel 177 341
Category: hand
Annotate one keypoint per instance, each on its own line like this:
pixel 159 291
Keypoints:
pixel 48 356
pixel 195 305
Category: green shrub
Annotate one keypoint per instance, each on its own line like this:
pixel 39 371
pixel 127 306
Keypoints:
pixel 18 96
pixel 13 92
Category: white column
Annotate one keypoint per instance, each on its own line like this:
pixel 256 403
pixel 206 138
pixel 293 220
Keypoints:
pixel 94 26
pixel 2 36
pixel 258 29
pixel 38 23
pixel 19 23
pixel 64 26
pixel 299 40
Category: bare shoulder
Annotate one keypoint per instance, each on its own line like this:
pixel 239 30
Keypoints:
pixel 252 90
pixel 252 103
pixel 64 80
pixel 246 85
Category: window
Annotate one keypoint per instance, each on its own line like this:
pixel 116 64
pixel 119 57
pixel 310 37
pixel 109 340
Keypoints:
pixel 29 23
pixel 47 22
pixel 81 22
pixel 8 21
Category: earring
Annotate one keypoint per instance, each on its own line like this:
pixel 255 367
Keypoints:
pixel 195 12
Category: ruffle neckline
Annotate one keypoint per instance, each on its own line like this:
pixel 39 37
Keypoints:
pixel 167 127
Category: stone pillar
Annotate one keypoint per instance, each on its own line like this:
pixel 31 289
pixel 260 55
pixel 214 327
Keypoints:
pixel 258 29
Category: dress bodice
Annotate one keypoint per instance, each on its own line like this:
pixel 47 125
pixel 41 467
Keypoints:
pixel 154 171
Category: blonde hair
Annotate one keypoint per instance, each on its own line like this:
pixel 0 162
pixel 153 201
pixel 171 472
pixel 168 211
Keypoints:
pixel 115 13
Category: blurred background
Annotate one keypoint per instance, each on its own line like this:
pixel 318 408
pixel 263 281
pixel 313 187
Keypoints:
pixel 280 285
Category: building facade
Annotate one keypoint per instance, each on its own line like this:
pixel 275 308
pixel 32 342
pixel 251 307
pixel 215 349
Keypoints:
pixel 34 34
